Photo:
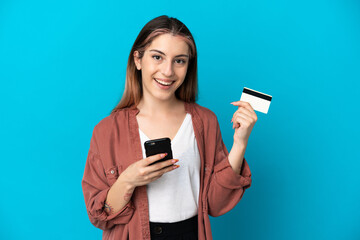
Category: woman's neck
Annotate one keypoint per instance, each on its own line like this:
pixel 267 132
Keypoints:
pixel 151 106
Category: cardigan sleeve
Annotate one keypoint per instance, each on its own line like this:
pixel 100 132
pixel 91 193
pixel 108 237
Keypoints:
pixel 226 187
pixel 95 189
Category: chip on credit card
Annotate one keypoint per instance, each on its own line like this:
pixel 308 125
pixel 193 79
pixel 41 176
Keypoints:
pixel 258 101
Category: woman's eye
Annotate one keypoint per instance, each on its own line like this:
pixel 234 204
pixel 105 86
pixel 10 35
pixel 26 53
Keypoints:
pixel 180 61
pixel 156 57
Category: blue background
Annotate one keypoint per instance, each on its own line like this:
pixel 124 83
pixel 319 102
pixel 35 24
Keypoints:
pixel 62 69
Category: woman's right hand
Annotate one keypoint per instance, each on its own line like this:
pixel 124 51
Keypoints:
pixel 137 174
pixel 141 172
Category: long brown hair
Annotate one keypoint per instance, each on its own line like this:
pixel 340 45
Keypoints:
pixel 133 86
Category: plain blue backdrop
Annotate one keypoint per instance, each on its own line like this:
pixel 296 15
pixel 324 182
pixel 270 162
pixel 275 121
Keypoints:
pixel 62 70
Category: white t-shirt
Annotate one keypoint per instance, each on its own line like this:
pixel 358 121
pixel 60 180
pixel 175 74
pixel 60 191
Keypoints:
pixel 174 196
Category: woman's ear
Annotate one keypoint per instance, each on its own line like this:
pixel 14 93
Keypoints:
pixel 137 60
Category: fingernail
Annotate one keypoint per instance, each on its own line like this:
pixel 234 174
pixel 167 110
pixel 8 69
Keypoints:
pixel 176 166
pixel 175 160
pixel 163 155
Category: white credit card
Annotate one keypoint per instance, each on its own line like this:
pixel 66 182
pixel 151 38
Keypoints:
pixel 258 101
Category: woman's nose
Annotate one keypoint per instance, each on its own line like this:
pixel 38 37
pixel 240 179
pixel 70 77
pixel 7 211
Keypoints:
pixel 167 69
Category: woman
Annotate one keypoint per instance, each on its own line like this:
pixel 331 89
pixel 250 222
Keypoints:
pixel 126 195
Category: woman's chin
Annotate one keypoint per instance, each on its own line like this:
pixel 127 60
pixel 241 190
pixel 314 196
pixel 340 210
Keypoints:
pixel 165 97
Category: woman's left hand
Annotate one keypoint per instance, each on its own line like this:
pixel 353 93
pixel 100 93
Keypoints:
pixel 243 121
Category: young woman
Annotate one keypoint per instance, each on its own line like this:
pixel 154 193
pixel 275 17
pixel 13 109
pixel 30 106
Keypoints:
pixel 126 195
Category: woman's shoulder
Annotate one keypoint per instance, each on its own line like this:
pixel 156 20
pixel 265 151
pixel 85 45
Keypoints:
pixel 114 118
pixel 202 111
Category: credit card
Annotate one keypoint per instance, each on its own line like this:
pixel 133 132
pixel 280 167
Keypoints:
pixel 258 101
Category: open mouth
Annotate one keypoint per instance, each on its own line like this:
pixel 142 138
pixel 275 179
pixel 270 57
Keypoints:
pixel 164 83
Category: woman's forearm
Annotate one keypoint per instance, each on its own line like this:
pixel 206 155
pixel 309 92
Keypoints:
pixel 236 156
pixel 118 196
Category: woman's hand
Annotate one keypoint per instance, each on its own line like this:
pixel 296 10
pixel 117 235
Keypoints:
pixel 137 174
pixel 141 172
pixel 243 121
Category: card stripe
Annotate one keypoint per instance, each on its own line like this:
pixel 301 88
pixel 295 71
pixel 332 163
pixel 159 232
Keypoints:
pixel 257 94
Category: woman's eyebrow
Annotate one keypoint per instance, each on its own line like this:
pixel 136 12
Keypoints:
pixel 158 51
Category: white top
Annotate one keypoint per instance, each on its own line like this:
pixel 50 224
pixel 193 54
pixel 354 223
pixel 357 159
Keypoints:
pixel 174 196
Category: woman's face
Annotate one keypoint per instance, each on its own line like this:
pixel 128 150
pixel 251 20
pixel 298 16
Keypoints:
pixel 163 66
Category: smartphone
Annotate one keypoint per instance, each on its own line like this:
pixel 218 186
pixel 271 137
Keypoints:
pixel 156 146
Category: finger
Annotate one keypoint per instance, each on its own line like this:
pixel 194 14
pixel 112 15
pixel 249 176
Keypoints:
pixel 247 106
pixel 245 111
pixel 161 165
pixel 243 116
pixel 159 173
pixel 249 112
pixel 242 121
pixel 154 158
pixel 243 104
